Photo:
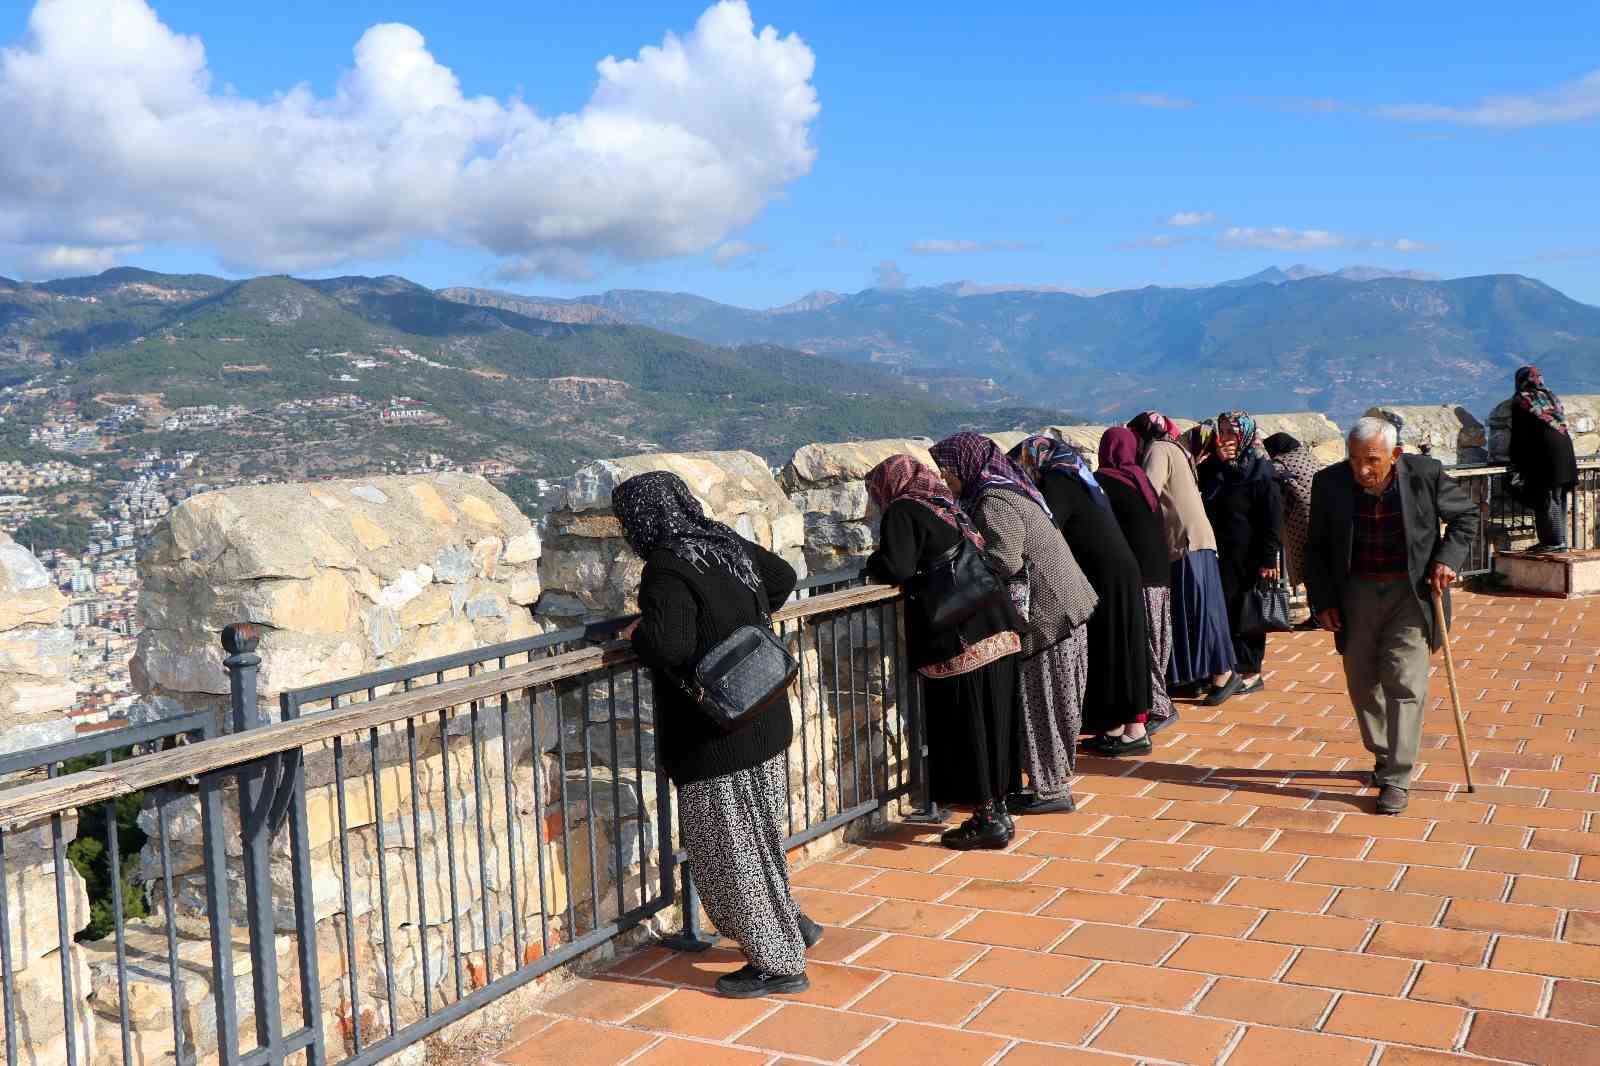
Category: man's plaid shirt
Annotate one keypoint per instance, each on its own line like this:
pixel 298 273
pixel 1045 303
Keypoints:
pixel 1378 548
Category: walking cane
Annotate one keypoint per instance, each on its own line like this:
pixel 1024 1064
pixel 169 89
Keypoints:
pixel 1455 692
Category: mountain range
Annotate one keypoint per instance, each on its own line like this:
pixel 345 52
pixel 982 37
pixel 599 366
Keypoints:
pixel 1283 339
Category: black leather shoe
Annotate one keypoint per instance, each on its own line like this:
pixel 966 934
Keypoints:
pixel 1224 692
pixel 1392 799
pixel 810 931
pixel 1156 725
pixel 983 830
pixel 1114 747
pixel 750 983
pixel 1029 803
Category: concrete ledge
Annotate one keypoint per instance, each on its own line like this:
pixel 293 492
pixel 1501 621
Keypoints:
pixel 1564 574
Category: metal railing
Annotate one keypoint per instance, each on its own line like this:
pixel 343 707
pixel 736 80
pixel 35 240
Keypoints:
pixel 529 765
pixel 1505 522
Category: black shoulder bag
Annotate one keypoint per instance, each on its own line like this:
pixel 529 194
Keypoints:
pixel 957 585
pixel 743 672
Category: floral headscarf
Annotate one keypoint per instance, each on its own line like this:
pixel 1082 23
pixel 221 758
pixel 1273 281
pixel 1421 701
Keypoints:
pixel 657 511
pixel 1050 456
pixel 1200 441
pixel 1119 461
pixel 1249 442
pixel 902 477
pixel 1534 398
pixel 982 468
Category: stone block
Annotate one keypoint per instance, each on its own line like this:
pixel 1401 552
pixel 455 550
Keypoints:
pixel 1566 574
pixel 827 465
pixel 1451 435
pixel 43 1026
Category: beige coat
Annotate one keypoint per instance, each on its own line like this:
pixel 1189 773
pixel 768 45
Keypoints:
pixel 1183 513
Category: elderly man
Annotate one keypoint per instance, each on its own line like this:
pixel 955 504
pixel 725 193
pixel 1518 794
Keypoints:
pixel 1374 558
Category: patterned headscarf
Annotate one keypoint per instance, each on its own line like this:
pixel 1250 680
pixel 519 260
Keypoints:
pixel 982 467
pixel 1249 438
pixel 1119 461
pixel 1152 426
pixel 1200 441
pixel 1534 398
pixel 657 510
pixel 901 477
pixel 1280 444
pixel 1050 456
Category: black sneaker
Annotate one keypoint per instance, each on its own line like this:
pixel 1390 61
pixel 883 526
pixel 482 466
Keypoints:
pixel 980 831
pixel 810 931
pixel 1224 692
pixel 750 983
pixel 1114 747
pixel 1392 799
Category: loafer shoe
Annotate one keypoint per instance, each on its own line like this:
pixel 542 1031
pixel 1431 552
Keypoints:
pixel 751 983
pixel 1224 692
pixel 1392 799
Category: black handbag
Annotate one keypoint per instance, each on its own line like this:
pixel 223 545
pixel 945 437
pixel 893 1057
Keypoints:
pixel 1266 609
pixel 957 585
pixel 742 673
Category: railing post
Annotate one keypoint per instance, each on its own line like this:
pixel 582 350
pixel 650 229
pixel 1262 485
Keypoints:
pixel 927 811
pixel 256 795
pixel 688 938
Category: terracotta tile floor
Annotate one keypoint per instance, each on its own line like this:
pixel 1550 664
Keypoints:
pixel 1230 899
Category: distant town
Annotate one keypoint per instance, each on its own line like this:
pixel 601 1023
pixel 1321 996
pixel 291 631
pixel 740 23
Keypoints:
pixel 104 490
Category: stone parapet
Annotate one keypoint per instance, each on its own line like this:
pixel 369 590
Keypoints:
pixel 36 689
pixel 826 484
pixel 1583 419
pixel 1451 435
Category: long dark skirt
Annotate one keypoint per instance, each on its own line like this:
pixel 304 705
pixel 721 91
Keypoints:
pixel 1202 640
pixel 1118 686
pixel 970 719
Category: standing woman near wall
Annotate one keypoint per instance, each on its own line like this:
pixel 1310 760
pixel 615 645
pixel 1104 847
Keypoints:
pixel 1240 489
pixel 1296 465
pixel 1542 453
pixel 969 671
pixel 1202 648
pixel 1016 525
pixel 1116 698
pixel 701 582
pixel 1138 511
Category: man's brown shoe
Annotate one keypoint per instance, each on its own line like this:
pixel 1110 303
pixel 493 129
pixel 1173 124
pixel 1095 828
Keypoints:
pixel 1392 799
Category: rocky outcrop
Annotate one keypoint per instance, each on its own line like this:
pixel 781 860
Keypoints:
pixel 825 482
pixel 588 571
pixel 36 690
pixel 1450 434
pixel 1583 419
pixel 344 577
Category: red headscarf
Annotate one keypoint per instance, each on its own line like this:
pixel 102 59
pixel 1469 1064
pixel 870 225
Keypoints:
pixel 902 477
pixel 1119 461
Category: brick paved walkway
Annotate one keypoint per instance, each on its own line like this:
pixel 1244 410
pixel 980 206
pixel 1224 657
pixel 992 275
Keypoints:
pixel 1230 899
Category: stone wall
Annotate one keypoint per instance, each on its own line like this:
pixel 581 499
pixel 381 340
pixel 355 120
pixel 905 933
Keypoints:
pixel 344 577
pixel 825 482
pixel 36 702
pixel 1451 435
pixel 588 571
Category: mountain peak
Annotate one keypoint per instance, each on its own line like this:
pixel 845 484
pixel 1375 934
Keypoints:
pixel 815 300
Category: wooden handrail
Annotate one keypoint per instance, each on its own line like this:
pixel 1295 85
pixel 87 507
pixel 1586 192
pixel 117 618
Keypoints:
pixel 38 799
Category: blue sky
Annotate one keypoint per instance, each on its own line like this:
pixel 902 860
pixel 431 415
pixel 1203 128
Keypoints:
pixel 1040 143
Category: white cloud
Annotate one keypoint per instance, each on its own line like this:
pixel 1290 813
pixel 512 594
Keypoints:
pixel 1285 239
pixel 114 135
pixel 1281 239
pixel 730 252
pixel 1574 101
pixel 1186 219
pixel 964 247
pixel 888 275
pixel 1159 101
pixel 57 260
pixel 1159 241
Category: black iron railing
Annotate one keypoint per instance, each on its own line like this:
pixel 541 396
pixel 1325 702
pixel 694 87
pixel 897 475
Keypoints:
pixel 1505 521
pixel 529 765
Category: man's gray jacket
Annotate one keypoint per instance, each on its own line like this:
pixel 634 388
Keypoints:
pixel 1429 499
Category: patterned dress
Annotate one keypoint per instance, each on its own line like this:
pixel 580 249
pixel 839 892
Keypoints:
pixel 1296 469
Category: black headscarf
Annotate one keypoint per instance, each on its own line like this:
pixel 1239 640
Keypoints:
pixel 658 511
pixel 1280 444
